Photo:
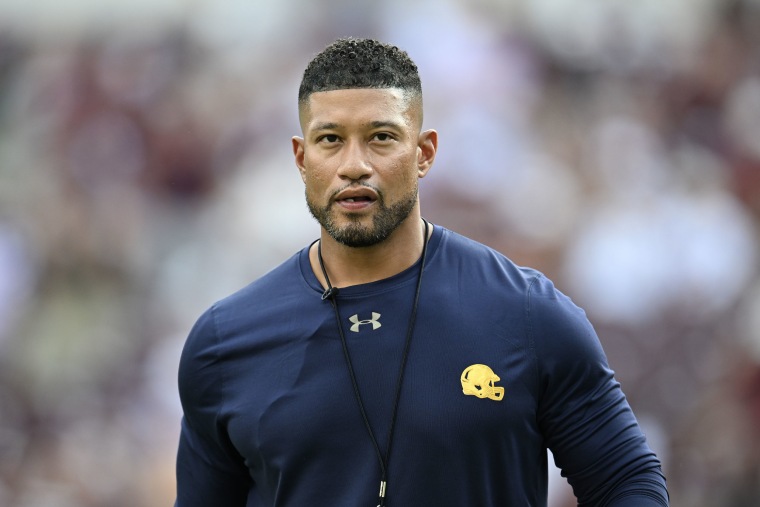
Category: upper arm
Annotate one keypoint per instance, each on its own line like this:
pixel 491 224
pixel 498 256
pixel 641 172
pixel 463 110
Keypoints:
pixel 209 469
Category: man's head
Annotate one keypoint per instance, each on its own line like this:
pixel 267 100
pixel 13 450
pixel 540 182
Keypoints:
pixel 360 107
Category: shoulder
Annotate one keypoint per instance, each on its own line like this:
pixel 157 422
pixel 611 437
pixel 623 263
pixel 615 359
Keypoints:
pixel 484 266
pixel 551 318
pixel 270 285
pixel 242 309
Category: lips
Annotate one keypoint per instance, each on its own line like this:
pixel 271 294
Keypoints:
pixel 356 198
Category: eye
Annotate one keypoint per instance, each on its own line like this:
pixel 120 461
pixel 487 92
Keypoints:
pixel 328 138
pixel 382 137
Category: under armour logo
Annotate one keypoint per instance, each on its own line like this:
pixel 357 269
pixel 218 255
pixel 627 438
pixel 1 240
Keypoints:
pixel 356 322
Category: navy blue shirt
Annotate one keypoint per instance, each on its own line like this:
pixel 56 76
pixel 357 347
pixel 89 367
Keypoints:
pixel 501 366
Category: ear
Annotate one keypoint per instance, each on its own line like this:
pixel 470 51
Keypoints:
pixel 427 146
pixel 298 153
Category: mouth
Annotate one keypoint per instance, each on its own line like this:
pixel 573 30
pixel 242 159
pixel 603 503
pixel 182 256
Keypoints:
pixel 354 199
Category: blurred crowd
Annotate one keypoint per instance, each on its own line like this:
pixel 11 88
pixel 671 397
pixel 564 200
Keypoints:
pixel 146 171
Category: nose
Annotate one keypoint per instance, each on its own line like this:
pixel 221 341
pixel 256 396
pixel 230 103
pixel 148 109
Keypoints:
pixel 354 162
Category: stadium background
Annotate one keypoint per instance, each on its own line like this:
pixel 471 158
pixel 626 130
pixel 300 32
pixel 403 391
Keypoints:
pixel 145 171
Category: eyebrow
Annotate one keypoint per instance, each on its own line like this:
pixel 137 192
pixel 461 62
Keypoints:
pixel 326 126
pixel 372 124
pixel 390 124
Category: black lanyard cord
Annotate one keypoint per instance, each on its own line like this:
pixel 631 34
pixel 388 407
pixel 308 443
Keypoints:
pixel 330 294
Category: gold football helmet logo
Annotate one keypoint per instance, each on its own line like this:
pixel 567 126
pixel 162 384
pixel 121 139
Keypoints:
pixel 478 380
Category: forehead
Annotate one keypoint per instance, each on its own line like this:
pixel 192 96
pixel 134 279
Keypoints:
pixel 358 104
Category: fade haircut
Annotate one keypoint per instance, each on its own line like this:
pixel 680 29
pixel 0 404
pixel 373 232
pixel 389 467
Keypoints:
pixel 351 63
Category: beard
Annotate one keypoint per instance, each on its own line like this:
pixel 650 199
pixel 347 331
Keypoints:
pixel 385 220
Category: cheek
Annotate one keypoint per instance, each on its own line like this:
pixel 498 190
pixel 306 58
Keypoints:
pixel 314 175
pixel 405 170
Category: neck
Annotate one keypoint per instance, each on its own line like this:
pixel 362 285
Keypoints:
pixel 348 266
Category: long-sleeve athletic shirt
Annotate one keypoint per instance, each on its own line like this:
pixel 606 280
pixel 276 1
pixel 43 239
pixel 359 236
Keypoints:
pixel 501 367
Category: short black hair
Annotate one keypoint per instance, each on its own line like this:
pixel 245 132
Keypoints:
pixel 350 63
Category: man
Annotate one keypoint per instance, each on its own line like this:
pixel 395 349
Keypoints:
pixel 392 361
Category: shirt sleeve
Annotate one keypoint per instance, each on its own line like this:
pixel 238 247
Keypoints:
pixel 209 469
pixel 583 414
